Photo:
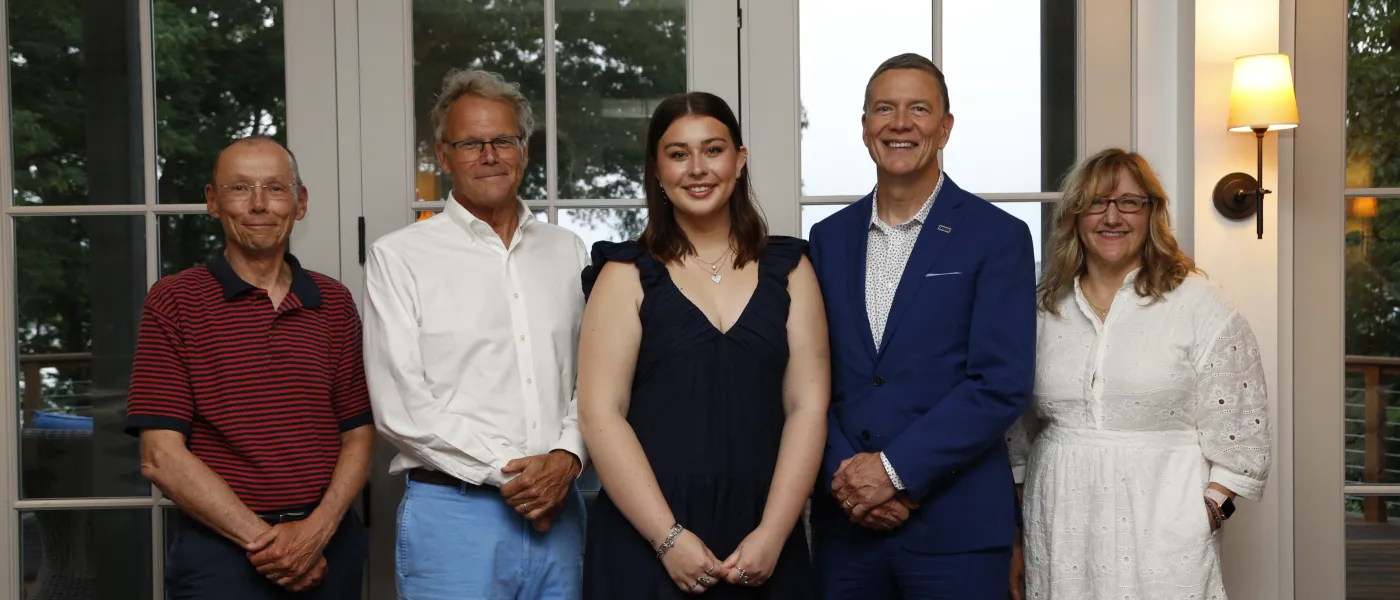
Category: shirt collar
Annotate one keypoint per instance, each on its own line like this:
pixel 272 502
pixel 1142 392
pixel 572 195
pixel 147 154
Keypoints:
pixel 303 286
pixel 477 228
pixel 918 217
pixel 1128 280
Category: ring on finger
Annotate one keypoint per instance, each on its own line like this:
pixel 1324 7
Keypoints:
pixel 705 581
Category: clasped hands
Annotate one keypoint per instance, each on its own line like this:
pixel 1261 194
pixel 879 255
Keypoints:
pixel 694 568
pixel 541 484
pixel 290 554
pixel 868 496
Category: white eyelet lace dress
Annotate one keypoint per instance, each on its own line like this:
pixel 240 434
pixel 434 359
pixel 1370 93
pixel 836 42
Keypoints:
pixel 1132 418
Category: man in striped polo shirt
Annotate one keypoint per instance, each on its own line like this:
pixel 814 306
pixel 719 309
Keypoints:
pixel 249 396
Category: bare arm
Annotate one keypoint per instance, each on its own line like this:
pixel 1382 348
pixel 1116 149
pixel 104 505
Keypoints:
pixel 608 343
pixel 806 390
pixel 195 488
pixel 351 471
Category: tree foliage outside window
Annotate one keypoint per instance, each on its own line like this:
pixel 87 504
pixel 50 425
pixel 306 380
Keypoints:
pixel 1373 224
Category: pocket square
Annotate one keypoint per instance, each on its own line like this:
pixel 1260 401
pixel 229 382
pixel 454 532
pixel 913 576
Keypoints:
pixel 942 274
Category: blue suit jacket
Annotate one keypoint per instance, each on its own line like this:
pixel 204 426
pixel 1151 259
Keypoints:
pixel 954 371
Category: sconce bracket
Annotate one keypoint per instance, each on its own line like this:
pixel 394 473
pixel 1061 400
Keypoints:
pixel 1236 196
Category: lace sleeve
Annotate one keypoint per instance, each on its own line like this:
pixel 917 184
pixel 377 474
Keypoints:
pixel 1019 440
pixel 1232 405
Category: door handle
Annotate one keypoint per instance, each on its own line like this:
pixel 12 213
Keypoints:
pixel 368 495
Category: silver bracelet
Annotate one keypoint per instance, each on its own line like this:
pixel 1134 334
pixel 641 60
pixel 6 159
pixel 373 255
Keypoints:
pixel 670 541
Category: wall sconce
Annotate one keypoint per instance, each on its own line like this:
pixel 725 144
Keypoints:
pixel 1261 100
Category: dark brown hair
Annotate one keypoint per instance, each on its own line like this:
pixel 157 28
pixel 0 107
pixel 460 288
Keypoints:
pixel 663 237
pixel 909 61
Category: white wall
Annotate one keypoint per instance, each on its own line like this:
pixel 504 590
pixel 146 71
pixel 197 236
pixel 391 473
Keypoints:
pixel 1185 54
pixel 1246 267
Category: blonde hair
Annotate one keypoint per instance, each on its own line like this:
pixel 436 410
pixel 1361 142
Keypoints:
pixel 1164 264
pixel 483 84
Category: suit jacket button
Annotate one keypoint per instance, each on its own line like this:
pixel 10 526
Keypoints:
pixel 879 381
pixel 865 435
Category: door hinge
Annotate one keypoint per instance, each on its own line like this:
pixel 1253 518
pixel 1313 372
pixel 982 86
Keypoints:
pixel 362 241
pixel 741 17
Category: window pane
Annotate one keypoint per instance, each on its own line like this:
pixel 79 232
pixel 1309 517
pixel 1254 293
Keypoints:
pixel 188 241
pixel 80 282
pixel 1033 214
pixel 1015 132
pixel 219 76
pixel 505 36
pixel 1373 75
pixel 1372 340
pixel 604 224
pixel 86 554
pixel 841 44
pixel 617 60
pixel 1373 542
pixel 75 93
pixel 814 213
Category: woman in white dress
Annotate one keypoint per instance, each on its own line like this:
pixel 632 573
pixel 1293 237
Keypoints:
pixel 1150 412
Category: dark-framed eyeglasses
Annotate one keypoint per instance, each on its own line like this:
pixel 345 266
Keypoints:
pixel 1127 204
pixel 471 147
pixel 274 190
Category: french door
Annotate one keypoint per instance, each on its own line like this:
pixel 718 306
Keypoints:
pixel 593 71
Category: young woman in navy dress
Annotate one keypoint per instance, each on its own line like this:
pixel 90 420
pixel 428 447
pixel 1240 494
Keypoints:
pixel 703 381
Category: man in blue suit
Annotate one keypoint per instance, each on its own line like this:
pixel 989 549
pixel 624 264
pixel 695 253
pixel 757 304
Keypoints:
pixel 930 300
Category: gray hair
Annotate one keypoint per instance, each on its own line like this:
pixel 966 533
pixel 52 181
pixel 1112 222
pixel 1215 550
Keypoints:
pixel 909 61
pixel 482 84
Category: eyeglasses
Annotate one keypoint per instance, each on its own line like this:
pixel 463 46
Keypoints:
pixel 472 148
pixel 274 190
pixel 1127 204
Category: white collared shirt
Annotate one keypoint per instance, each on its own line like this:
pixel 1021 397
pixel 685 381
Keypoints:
pixel 886 253
pixel 470 346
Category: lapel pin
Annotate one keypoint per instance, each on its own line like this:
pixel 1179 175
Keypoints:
pixel 945 229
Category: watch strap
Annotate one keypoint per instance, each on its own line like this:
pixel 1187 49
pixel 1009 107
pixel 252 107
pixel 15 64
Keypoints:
pixel 1221 500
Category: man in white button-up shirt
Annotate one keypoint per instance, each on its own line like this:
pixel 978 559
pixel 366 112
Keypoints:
pixel 471 336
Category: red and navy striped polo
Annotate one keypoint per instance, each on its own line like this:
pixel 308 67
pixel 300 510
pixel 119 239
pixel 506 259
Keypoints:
pixel 261 393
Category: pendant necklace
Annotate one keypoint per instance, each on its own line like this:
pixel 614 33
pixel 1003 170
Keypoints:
pixel 1101 312
pixel 714 265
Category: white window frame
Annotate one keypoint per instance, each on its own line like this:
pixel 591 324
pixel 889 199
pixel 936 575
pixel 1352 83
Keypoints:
pixel 378 137
pixel 311 140
pixel 1318 319
pixel 386 88
pixel 1105 91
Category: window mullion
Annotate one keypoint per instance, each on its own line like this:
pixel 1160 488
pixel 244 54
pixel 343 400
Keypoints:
pixel 551 114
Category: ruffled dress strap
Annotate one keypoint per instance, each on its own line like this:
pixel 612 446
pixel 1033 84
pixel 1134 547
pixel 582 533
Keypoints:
pixel 782 255
pixel 651 271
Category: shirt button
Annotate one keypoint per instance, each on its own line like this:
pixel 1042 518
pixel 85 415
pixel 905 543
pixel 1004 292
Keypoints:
pixel 865 435
pixel 879 381
pixel 517 296
pixel 529 381
pixel 522 338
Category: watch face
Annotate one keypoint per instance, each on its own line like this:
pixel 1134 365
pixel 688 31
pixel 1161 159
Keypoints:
pixel 1228 508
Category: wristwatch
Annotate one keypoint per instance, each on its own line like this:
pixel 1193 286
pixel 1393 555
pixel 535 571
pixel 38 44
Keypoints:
pixel 1227 506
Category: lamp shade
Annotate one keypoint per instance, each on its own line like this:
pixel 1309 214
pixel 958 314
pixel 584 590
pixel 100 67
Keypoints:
pixel 1261 95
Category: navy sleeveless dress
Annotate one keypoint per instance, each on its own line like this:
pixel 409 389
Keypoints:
pixel 707 408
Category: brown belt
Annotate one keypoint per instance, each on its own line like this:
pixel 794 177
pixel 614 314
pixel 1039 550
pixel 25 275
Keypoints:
pixel 443 479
